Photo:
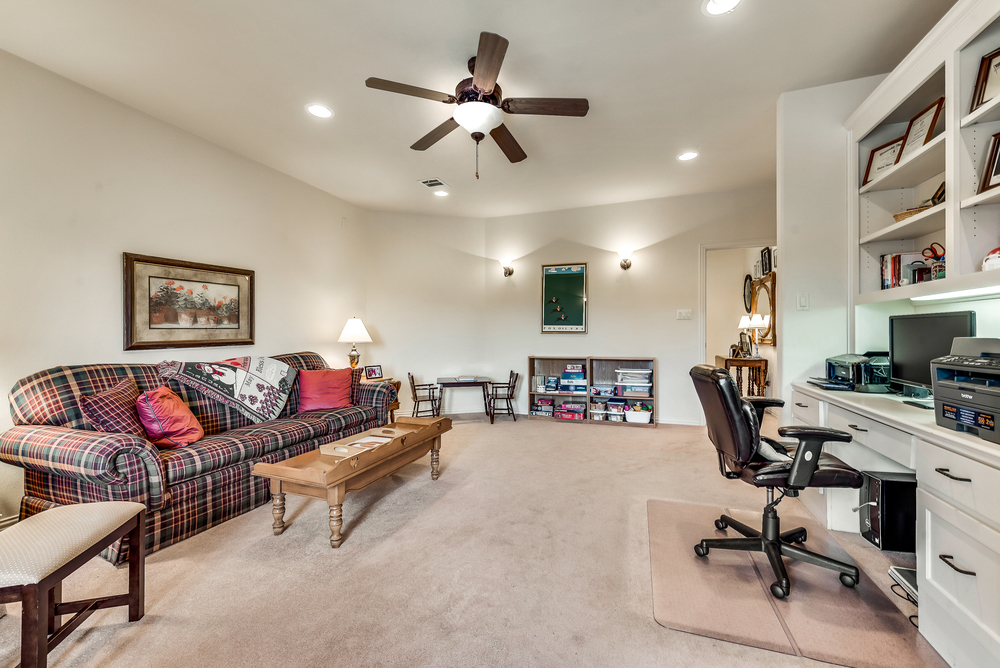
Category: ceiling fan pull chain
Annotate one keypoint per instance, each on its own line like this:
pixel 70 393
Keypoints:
pixel 477 160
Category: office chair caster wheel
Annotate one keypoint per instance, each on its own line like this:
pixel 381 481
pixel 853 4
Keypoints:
pixel 847 580
pixel 778 591
pixel 701 550
pixel 721 525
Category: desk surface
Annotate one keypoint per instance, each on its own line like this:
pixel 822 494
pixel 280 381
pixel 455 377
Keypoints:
pixel 479 380
pixel 919 422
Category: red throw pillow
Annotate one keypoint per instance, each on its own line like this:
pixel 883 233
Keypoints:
pixel 167 419
pixel 321 390
pixel 113 411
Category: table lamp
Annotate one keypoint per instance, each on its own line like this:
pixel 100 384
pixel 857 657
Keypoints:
pixel 354 333
pixel 757 323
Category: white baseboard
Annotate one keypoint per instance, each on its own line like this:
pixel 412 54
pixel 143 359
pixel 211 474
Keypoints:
pixel 684 423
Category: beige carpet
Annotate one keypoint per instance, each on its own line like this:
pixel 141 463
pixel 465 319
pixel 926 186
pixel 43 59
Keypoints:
pixel 530 550
pixel 725 595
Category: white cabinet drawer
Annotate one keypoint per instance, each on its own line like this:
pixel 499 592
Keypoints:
pixel 892 443
pixel 805 409
pixel 959 480
pixel 960 566
pixel 857 426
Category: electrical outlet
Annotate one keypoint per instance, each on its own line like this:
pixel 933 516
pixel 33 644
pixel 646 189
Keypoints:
pixel 802 302
pixel 683 314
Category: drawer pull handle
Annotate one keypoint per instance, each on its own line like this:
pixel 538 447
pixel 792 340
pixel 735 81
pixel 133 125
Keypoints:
pixel 856 427
pixel 946 474
pixel 801 405
pixel 945 558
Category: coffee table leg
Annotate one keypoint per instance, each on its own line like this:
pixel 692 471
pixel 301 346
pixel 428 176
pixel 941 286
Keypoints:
pixel 277 507
pixel 335 497
pixel 436 458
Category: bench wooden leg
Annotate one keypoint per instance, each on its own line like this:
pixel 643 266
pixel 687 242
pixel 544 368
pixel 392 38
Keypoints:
pixel 34 639
pixel 55 597
pixel 137 569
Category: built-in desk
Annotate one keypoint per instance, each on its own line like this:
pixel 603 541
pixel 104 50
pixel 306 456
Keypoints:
pixel 958 509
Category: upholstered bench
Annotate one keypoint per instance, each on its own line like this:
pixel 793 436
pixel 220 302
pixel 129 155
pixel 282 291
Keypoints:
pixel 37 554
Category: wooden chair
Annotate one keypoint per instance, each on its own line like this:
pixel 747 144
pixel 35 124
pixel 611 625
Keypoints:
pixel 426 393
pixel 37 554
pixel 502 392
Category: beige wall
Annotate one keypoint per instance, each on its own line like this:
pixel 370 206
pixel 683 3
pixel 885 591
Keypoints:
pixel 725 269
pixel 631 313
pixel 84 178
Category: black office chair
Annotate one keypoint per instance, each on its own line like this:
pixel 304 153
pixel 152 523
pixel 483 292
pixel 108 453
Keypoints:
pixel 734 428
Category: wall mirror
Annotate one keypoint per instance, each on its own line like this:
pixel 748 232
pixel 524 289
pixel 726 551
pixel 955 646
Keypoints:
pixel 762 302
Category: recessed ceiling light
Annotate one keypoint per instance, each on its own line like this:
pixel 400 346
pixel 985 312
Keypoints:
pixel 718 7
pixel 441 193
pixel 319 111
pixel 689 155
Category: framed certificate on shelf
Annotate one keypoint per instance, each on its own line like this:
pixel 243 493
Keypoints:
pixel 920 130
pixel 882 158
pixel 988 81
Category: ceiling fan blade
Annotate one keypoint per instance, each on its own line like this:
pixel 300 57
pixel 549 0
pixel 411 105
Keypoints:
pixel 547 106
pixel 489 58
pixel 505 140
pixel 435 135
pixel 405 89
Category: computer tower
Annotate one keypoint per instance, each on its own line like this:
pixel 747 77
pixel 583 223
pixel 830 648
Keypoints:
pixel 888 510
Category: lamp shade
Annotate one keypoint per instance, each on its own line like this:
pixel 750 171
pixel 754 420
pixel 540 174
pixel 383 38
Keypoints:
pixel 744 322
pixel 354 332
pixel 478 117
pixel 757 321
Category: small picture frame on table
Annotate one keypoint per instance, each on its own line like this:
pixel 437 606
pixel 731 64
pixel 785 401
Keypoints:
pixel 991 168
pixel 988 81
pixel 882 158
pixel 373 372
pixel 920 130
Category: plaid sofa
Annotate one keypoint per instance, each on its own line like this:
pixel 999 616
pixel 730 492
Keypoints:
pixel 186 490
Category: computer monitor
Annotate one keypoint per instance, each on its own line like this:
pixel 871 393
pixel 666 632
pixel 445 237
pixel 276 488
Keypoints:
pixel 914 340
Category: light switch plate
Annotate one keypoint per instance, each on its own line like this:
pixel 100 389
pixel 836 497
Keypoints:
pixel 683 314
pixel 802 302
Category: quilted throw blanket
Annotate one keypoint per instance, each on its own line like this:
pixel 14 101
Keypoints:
pixel 257 387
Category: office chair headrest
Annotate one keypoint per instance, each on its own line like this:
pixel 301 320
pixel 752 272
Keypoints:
pixel 732 423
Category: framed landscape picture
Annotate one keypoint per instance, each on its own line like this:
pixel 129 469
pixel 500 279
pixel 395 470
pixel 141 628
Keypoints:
pixel 178 304
pixel 564 298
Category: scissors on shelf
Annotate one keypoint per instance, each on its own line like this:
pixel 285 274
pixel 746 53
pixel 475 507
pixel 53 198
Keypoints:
pixel 934 252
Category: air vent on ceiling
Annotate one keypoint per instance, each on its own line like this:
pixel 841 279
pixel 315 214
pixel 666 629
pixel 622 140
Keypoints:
pixel 434 183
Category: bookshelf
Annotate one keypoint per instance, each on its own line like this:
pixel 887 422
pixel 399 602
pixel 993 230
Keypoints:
pixel 636 376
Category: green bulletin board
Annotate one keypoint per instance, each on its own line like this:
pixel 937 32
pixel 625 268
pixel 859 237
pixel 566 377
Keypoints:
pixel 564 298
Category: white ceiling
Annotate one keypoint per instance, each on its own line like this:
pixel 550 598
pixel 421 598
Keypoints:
pixel 660 76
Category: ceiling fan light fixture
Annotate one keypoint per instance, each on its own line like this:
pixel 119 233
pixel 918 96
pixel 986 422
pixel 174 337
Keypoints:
pixel 718 7
pixel 478 117
pixel 319 111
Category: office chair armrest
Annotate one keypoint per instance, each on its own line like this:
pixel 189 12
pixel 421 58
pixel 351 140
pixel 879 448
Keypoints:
pixel 811 440
pixel 761 403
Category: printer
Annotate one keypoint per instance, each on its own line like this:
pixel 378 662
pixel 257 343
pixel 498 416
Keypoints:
pixel 966 387
pixel 859 371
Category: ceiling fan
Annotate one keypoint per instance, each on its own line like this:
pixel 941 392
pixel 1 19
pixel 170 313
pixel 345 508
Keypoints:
pixel 480 102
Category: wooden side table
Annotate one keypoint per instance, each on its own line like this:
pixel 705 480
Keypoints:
pixel 756 373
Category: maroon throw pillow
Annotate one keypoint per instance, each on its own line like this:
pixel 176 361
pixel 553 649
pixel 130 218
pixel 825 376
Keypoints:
pixel 167 419
pixel 113 411
pixel 325 389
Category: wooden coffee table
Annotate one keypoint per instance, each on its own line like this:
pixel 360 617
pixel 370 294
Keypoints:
pixel 334 469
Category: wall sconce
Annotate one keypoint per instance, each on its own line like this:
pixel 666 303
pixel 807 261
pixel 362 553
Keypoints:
pixel 626 262
pixel 508 270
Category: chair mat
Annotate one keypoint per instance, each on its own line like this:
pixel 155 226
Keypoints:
pixel 726 595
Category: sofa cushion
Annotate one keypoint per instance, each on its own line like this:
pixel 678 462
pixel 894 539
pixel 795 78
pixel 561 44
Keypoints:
pixel 114 412
pixel 323 390
pixel 239 445
pixel 340 419
pixel 166 419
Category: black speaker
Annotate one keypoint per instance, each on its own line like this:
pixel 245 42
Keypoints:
pixel 888 510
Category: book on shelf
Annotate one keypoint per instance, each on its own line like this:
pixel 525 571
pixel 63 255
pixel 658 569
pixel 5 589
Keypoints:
pixel 573 375
pixel 551 383
pixel 894 269
pixel 574 367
